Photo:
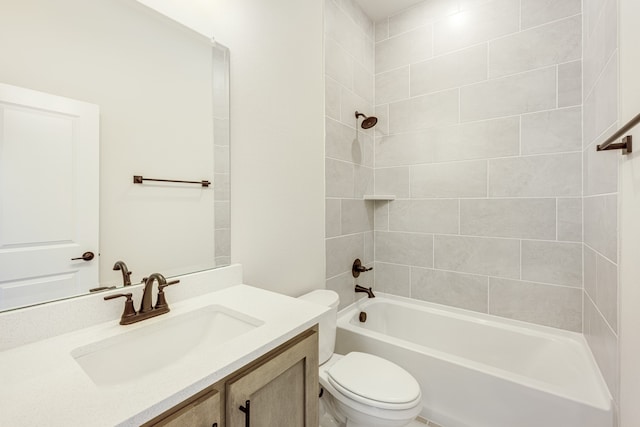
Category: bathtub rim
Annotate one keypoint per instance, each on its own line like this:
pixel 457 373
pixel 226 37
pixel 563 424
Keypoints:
pixel 602 398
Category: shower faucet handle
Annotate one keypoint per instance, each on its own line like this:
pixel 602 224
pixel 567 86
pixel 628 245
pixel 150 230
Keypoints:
pixel 358 268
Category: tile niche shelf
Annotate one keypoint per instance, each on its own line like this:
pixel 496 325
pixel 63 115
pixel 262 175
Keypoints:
pixel 383 197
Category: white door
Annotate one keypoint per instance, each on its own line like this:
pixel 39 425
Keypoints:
pixel 49 171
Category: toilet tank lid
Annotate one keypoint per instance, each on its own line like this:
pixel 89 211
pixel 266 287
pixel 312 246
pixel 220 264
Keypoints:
pixel 324 297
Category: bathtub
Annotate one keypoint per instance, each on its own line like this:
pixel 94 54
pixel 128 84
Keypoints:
pixel 477 370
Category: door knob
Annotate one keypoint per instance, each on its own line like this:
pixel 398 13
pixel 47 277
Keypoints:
pixel 87 256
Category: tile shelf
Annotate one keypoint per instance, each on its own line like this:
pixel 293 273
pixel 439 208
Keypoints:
pixel 387 197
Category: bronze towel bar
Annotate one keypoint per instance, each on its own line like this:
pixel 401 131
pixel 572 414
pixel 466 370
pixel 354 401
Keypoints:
pixel 137 179
pixel 626 145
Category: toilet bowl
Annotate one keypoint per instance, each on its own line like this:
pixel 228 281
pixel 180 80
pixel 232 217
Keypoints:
pixel 360 389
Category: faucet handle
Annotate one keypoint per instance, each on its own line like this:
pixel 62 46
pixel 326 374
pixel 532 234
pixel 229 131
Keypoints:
pixel 161 301
pixel 358 268
pixel 164 285
pixel 128 305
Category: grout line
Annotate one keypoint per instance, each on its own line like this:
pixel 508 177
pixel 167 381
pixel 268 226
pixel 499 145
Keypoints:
pixel 488 295
pixel 520 16
pixel 520 248
pixel 557 85
pixel 557 220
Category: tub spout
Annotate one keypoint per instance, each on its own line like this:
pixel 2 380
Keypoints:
pixel 367 291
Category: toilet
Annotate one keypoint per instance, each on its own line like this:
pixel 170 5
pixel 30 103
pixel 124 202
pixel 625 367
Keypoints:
pixel 360 389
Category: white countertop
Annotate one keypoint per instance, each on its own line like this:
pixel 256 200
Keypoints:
pixel 41 383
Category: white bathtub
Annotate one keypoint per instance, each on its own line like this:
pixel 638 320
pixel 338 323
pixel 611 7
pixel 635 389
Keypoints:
pixel 477 370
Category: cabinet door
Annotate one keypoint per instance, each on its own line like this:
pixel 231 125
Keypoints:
pixel 280 391
pixel 201 412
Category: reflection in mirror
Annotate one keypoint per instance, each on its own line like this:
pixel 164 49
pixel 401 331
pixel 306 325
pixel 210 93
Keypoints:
pixel 93 92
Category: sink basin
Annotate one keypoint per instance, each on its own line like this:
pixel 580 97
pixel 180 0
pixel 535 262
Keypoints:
pixel 153 346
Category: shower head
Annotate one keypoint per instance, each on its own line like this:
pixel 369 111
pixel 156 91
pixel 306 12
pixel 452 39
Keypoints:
pixel 368 122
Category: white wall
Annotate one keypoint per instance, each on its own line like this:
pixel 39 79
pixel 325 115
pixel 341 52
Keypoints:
pixel 277 149
pixel 629 13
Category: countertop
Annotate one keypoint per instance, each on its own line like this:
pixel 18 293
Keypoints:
pixel 42 384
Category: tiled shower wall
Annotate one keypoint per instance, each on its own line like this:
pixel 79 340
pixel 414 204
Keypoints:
pixel 480 139
pixel 222 220
pixel 601 187
pixel 349 66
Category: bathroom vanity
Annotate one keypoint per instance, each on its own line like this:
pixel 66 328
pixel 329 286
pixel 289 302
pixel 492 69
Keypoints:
pixel 222 346
pixel 278 389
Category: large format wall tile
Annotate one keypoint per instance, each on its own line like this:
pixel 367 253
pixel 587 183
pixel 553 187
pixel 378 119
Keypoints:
pixel 395 181
pixel 392 85
pixel 570 84
pixel 604 346
pixel 420 14
pixel 607 291
pixel 552 131
pixel 549 44
pixel 552 262
pixel 338 64
pixel 536 176
pixel 600 44
pixel 424 112
pixel 521 93
pixel 341 251
pixel 538 12
pixel 448 71
pixel 556 306
pixel 600 170
pixel 424 216
pixel 485 22
pixel 475 140
pixel 333 224
pixel 445 287
pixel 488 256
pixel 356 216
pixel 338 178
pixel 393 278
pixel 382 30
pixel 570 219
pixel 404 248
pixel 601 105
pixel 343 285
pixel 590 281
pixel 601 224
pixel 518 218
pixel 459 179
pixel 479 137
pixel 349 174
pixel 405 49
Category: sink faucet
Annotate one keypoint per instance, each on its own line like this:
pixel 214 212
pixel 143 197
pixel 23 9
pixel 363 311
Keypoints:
pixel 126 274
pixel 147 304
pixel 147 310
pixel 367 291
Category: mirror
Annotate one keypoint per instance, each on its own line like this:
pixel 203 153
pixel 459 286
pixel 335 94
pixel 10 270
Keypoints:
pixel 162 92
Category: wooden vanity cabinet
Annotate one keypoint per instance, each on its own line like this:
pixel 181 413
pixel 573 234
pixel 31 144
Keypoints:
pixel 203 411
pixel 278 389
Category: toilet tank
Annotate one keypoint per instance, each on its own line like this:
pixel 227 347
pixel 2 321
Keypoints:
pixel 327 323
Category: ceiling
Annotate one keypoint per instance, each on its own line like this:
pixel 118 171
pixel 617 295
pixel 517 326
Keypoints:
pixel 378 9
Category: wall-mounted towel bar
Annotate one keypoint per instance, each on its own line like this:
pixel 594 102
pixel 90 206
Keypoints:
pixel 137 179
pixel 626 144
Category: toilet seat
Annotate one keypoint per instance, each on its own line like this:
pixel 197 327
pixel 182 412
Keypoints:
pixel 374 381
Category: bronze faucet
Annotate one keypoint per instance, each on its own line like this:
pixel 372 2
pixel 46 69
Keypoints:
pixel 147 310
pixel 146 305
pixel 126 274
pixel 367 291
